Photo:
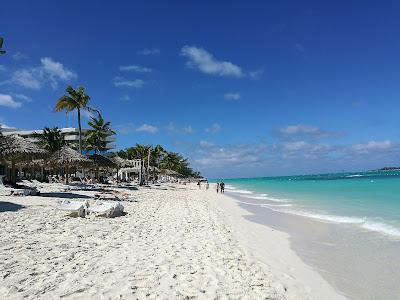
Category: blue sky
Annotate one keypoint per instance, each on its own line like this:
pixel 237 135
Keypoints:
pixel 242 88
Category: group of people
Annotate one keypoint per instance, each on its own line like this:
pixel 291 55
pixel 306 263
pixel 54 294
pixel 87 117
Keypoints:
pixel 207 185
pixel 220 186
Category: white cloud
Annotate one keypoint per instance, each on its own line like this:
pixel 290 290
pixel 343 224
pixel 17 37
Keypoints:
pixel 171 128
pixel 301 131
pixel 215 128
pixel 19 56
pixel 205 144
pixel 23 97
pixel 255 74
pixel 295 146
pixel 123 82
pixel 49 71
pixel 125 98
pixel 56 71
pixel 372 146
pixel 135 68
pixel 147 128
pixel 232 96
pixel 8 101
pixel 291 157
pixel 125 128
pixel 217 157
pixel 27 78
pixel 153 51
pixel 188 130
pixel 207 63
pixel 2 125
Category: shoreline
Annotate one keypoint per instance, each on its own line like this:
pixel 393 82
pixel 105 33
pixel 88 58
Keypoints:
pixel 273 248
pixel 350 259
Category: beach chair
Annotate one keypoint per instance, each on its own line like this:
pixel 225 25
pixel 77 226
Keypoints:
pixel 8 191
pixel 74 208
pixel 106 209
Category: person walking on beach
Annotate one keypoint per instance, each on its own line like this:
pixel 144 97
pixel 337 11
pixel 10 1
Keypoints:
pixel 222 186
pixel 207 185
pixel 217 187
pixel 199 185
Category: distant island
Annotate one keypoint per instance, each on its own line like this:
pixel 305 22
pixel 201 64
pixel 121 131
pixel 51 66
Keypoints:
pixel 388 169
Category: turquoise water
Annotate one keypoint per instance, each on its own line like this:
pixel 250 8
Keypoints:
pixel 369 200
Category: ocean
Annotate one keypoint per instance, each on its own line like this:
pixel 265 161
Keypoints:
pixel 368 200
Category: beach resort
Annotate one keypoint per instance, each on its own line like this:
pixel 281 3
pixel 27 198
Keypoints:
pixel 199 150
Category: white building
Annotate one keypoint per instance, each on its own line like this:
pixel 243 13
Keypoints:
pixel 70 134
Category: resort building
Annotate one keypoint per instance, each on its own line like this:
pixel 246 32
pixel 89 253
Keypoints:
pixel 70 134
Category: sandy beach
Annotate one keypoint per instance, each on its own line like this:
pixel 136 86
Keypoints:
pixel 174 242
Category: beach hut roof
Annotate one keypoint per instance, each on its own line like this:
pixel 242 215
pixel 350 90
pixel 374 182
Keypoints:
pixel 102 161
pixel 121 162
pixel 15 147
pixel 68 156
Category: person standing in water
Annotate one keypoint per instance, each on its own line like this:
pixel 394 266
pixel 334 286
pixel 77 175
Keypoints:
pixel 222 186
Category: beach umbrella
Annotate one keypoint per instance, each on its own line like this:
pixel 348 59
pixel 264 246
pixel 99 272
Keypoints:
pixel 119 162
pixel 15 148
pixel 68 158
pixel 102 162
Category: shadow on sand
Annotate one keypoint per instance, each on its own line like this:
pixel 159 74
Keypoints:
pixel 8 206
pixel 64 195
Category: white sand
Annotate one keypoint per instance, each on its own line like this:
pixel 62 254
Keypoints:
pixel 176 243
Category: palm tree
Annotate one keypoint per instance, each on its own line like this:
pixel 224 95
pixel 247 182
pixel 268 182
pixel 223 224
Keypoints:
pixel 157 154
pixel 75 100
pixel 96 137
pixel 171 161
pixel 51 139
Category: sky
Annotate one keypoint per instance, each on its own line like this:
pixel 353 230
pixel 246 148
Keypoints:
pixel 241 88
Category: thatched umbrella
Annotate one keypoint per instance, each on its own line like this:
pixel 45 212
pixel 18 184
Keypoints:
pixel 119 162
pixel 17 149
pixel 102 162
pixel 68 158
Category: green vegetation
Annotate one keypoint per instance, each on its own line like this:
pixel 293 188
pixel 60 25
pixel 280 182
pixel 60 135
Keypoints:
pixel 75 100
pixel 160 158
pixel 51 139
pixel 96 138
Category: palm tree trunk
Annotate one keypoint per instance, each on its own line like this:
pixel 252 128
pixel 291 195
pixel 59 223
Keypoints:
pixel 13 172
pixel 80 131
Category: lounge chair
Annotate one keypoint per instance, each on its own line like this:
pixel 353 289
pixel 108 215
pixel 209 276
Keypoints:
pixel 106 209
pixel 8 191
pixel 74 208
